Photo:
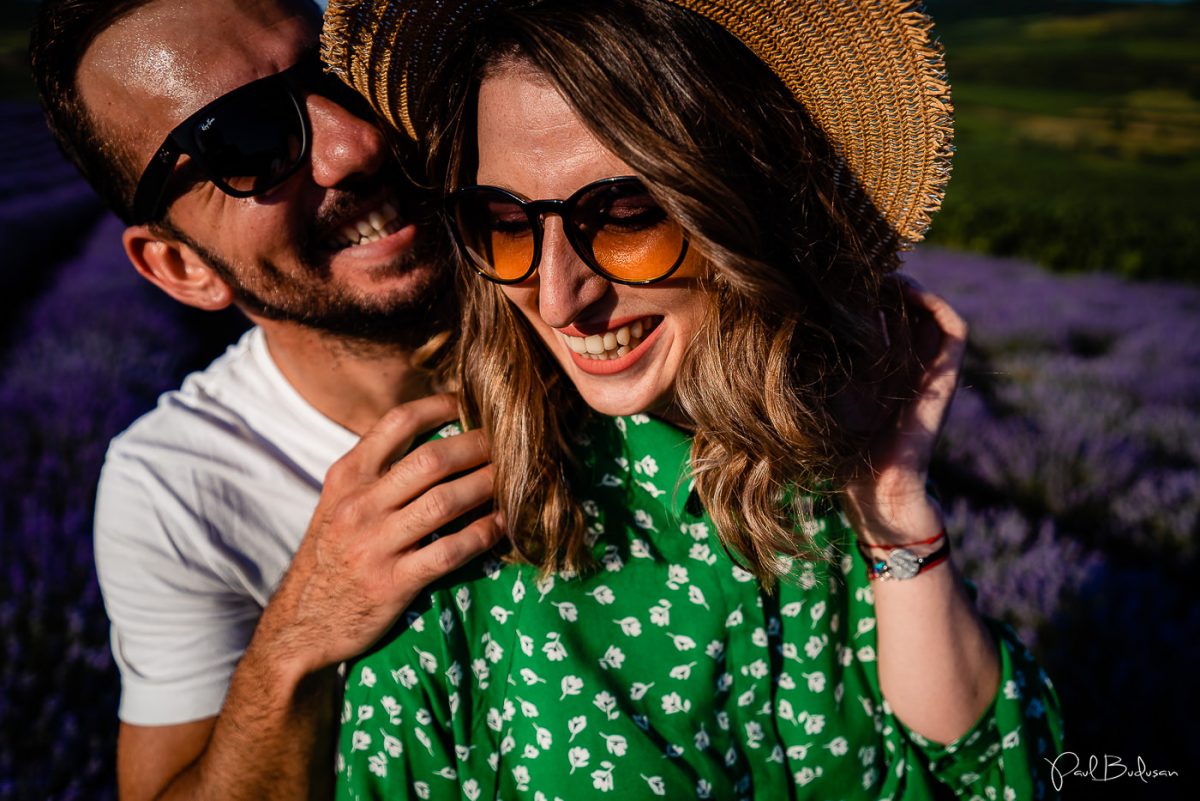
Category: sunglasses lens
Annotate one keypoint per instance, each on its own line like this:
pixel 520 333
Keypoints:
pixel 495 233
pixel 630 236
pixel 252 140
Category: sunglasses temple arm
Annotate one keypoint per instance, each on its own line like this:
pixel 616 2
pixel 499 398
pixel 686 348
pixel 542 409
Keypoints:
pixel 152 188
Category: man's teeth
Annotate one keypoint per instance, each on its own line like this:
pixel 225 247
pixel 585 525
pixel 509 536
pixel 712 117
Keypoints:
pixel 611 344
pixel 382 222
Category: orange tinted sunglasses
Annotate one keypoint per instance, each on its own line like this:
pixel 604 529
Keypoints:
pixel 615 226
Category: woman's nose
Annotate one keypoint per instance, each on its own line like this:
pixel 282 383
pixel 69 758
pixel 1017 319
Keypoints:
pixel 567 287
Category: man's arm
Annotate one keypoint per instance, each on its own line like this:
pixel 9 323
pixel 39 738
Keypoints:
pixel 146 754
pixel 363 560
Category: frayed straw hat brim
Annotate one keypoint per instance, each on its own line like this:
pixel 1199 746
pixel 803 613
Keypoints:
pixel 868 72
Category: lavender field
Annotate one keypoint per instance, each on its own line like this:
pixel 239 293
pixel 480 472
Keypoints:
pixel 84 349
pixel 1070 470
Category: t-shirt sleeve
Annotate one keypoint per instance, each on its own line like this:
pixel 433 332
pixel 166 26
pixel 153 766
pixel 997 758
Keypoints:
pixel 1008 746
pixel 178 627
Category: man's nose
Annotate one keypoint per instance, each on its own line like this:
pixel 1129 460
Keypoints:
pixel 344 145
pixel 567 287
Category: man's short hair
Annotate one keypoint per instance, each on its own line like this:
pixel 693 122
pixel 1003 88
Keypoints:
pixel 62 32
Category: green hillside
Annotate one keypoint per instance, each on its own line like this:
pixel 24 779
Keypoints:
pixel 1078 136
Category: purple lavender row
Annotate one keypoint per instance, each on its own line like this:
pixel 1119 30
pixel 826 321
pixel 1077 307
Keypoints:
pixel 1080 401
pixel 29 159
pixel 45 209
pixel 91 353
pixel 1070 466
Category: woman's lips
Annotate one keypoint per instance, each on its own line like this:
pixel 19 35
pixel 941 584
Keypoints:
pixel 611 351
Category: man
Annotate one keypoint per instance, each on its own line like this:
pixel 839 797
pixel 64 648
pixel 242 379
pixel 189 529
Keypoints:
pixel 249 180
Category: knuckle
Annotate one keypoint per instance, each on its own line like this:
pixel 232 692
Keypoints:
pixel 426 460
pixel 342 469
pixel 398 418
pixel 349 511
pixel 438 504
pixel 441 560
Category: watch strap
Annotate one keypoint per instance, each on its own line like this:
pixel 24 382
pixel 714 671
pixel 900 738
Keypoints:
pixel 901 564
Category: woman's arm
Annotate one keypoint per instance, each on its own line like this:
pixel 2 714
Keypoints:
pixel 938 665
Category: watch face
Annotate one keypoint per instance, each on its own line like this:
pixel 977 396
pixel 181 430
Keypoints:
pixel 903 564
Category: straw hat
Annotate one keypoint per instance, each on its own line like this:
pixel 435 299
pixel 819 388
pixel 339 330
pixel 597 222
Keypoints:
pixel 868 72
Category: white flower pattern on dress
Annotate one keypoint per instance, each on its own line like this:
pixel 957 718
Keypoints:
pixel 573 693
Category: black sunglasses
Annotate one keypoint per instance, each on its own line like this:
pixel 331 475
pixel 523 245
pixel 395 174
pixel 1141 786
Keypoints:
pixel 245 142
pixel 615 226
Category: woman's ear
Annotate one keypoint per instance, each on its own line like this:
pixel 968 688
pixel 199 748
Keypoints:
pixel 176 269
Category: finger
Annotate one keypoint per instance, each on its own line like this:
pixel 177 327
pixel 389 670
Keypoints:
pixel 941 375
pixel 427 466
pixel 451 552
pixel 438 506
pixel 942 330
pixel 396 430
pixel 948 320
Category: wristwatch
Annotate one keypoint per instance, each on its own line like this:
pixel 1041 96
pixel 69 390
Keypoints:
pixel 903 564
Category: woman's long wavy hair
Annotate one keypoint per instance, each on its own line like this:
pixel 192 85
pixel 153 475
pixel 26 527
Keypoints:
pixel 792 349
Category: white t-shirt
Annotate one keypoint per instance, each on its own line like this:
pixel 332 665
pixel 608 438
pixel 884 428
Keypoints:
pixel 202 503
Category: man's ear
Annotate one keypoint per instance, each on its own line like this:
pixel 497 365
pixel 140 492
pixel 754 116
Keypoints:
pixel 175 269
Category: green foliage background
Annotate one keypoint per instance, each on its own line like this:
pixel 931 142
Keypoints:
pixel 1078 134
pixel 15 18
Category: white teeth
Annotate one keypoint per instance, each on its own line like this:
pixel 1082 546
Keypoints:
pixel 610 344
pixel 374 226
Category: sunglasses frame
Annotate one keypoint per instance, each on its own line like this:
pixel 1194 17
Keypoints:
pixel 536 211
pixel 150 199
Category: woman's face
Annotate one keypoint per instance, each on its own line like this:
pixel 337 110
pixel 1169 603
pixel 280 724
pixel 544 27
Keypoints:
pixel 531 143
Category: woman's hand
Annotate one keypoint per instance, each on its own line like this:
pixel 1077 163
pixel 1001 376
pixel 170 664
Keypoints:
pixel 887 503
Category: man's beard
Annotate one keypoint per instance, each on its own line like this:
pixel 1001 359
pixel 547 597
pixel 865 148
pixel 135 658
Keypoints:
pixel 407 321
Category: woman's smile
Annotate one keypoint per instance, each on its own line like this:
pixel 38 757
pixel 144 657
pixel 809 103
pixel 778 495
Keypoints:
pixel 613 348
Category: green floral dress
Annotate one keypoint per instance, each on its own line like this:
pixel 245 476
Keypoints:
pixel 668 672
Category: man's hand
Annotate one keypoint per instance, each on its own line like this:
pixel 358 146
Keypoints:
pixel 364 559
pixel 365 556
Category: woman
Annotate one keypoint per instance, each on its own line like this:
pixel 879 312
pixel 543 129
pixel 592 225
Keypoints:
pixel 688 357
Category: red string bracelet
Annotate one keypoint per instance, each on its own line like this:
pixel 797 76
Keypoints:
pixel 930 541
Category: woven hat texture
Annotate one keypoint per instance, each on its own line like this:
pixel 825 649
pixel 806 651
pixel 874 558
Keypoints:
pixel 868 72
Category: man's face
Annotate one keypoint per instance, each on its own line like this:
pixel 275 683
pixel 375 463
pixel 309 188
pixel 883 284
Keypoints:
pixel 338 245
